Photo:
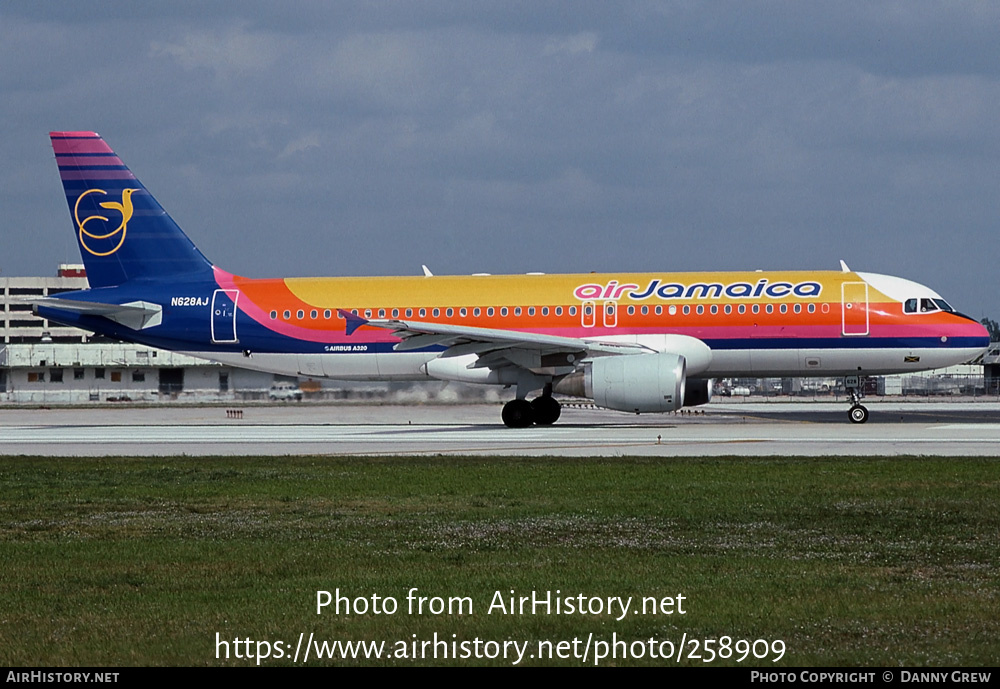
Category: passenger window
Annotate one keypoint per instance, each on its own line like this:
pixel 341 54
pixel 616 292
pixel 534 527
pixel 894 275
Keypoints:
pixel 274 315
pixel 314 314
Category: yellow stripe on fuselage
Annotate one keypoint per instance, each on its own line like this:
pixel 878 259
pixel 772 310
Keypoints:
pixel 447 290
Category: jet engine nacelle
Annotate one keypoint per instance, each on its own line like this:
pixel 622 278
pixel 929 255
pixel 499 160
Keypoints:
pixel 637 382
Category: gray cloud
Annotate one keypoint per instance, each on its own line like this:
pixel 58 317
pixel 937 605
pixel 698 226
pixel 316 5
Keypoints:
pixel 367 138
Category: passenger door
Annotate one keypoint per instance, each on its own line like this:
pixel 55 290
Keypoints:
pixel 854 308
pixel 224 315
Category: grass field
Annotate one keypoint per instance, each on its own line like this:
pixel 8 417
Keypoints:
pixel 847 561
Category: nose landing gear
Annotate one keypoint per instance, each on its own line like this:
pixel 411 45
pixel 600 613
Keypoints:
pixel 858 413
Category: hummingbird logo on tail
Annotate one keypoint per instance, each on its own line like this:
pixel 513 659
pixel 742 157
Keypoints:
pixel 125 208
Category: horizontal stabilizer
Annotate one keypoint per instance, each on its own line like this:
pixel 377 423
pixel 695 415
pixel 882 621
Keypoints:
pixel 137 315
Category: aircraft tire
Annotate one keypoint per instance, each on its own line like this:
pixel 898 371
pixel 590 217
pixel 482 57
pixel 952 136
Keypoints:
pixel 517 414
pixel 858 413
pixel 545 410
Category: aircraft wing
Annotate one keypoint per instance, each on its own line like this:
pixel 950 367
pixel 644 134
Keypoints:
pixel 495 347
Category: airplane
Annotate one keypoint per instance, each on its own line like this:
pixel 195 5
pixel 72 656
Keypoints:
pixel 633 342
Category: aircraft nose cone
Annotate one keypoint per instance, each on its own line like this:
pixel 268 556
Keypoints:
pixel 982 335
pixel 973 332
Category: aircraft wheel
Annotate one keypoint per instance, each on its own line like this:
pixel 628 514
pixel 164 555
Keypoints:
pixel 858 413
pixel 545 410
pixel 517 414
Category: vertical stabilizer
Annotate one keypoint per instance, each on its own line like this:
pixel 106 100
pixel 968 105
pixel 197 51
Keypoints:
pixel 122 231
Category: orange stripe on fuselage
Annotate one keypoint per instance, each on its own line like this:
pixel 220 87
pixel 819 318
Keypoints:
pixel 443 292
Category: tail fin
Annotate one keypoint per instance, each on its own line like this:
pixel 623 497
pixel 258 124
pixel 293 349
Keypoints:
pixel 123 232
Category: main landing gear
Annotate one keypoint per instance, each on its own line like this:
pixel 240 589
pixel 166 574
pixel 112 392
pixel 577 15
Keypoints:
pixel 543 410
pixel 858 413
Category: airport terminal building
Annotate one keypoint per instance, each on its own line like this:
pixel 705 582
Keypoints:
pixel 45 363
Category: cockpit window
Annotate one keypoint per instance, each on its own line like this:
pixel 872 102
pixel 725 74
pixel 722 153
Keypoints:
pixel 926 305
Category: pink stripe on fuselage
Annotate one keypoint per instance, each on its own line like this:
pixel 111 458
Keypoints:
pixel 790 330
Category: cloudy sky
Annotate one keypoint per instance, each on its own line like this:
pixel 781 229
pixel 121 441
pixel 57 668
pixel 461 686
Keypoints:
pixel 341 138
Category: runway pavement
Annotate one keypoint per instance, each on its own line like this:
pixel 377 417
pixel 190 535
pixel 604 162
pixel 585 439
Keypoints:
pixel 744 429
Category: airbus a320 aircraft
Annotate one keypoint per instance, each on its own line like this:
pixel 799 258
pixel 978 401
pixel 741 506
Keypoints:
pixel 631 342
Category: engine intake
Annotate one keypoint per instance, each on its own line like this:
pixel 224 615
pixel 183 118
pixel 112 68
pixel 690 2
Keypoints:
pixel 698 392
